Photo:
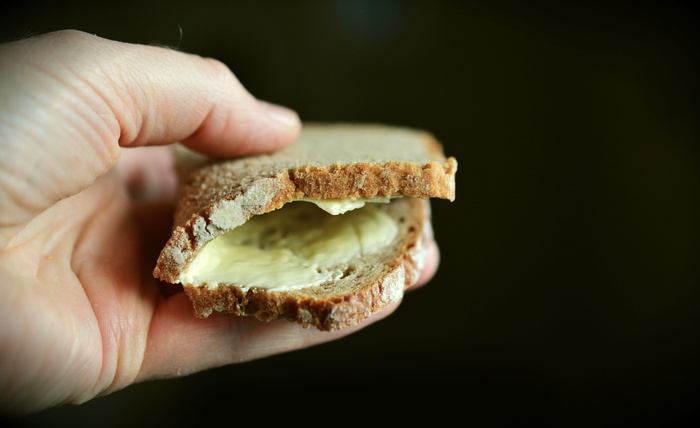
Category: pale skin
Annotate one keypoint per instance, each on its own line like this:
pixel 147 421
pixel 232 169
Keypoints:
pixel 86 192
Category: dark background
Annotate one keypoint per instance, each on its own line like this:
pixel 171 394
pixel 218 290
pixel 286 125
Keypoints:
pixel 568 290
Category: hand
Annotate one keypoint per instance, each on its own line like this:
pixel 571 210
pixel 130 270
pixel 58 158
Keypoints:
pixel 83 214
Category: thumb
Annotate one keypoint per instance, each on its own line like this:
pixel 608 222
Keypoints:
pixel 197 101
pixel 69 101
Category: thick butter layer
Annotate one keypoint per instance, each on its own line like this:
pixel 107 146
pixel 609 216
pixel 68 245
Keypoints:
pixel 296 246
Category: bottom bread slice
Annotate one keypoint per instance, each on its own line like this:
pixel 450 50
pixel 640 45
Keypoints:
pixel 368 284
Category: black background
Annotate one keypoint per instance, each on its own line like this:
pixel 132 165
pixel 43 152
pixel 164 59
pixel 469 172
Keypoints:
pixel 568 290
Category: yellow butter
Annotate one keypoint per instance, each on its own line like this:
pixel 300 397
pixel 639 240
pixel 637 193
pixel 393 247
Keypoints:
pixel 296 246
pixel 342 205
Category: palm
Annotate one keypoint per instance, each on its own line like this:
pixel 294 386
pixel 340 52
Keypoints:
pixel 93 294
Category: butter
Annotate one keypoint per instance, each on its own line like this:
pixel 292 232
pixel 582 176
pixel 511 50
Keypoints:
pixel 342 205
pixel 296 246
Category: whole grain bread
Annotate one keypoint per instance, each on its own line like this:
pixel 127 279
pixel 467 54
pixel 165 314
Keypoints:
pixel 327 161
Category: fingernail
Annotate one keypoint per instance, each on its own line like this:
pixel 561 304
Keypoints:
pixel 280 114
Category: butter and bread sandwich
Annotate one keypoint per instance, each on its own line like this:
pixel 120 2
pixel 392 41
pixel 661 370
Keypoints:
pixel 324 232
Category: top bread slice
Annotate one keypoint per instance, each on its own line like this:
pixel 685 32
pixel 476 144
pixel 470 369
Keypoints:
pixel 327 161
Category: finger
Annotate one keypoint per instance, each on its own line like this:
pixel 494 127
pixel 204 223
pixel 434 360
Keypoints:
pixel 432 262
pixel 199 102
pixel 159 96
pixel 179 344
pixel 77 98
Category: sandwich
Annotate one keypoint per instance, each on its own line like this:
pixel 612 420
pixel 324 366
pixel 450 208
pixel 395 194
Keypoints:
pixel 324 232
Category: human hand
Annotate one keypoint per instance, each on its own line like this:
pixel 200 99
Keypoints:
pixel 83 214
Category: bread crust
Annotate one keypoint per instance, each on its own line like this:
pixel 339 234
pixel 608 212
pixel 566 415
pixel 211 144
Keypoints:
pixel 219 195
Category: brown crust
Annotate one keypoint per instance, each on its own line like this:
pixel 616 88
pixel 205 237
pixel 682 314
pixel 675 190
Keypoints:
pixel 363 179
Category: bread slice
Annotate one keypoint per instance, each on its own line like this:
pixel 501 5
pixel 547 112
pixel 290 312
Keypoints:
pixel 328 161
